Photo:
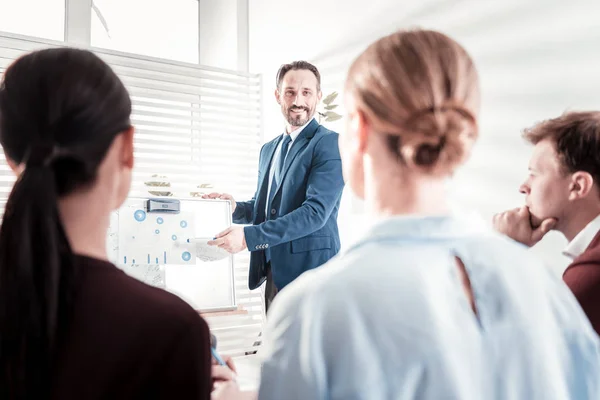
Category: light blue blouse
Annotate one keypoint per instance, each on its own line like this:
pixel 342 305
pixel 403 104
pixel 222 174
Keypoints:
pixel 389 319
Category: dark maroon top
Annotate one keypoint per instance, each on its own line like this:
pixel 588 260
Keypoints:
pixel 128 340
pixel 583 277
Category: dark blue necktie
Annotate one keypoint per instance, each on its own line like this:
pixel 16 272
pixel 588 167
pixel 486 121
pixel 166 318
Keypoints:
pixel 279 167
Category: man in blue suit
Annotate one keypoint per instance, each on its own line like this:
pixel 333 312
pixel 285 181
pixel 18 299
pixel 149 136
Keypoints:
pixel 294 210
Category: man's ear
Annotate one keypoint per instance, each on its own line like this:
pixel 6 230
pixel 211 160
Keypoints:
pixel 319 95
pixel 127 147
pixel 581 185
pixel 277 96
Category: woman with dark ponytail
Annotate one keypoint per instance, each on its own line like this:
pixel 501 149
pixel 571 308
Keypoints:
pixel 72 325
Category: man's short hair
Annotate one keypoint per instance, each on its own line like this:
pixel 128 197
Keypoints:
pixel 576 139
pixel 296 65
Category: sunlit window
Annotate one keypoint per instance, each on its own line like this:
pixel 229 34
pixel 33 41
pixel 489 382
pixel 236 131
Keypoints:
pixel 41 18
pixel 165 29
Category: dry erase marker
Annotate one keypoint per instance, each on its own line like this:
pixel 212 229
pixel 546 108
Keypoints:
pixel 199 240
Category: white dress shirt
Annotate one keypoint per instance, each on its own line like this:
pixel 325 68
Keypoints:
pixel 583 239
pixel 293 135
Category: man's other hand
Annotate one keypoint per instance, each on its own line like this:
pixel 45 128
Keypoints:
pixel 222 196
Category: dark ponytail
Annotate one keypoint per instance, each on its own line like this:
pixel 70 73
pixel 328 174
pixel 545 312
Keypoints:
pixel 60 109
pixel 32 287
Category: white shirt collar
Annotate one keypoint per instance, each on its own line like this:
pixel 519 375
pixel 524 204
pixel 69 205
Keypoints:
pixel 583 239
pixel 294 134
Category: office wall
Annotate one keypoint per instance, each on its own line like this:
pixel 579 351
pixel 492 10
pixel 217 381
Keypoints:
pixel 218 33
pixel 536 59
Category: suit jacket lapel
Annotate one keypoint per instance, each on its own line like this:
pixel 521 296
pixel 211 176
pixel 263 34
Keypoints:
pixel 270 152
pixel 595 241
pixel 264 185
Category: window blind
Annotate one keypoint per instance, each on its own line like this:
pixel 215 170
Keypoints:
pixel 198 130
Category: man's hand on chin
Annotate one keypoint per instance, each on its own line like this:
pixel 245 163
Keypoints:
pixel 516 224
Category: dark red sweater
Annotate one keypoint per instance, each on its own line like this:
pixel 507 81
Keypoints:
pixel 128 340
pixel 583 277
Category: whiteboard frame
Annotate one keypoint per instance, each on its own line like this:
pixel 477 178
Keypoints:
pixel 229 222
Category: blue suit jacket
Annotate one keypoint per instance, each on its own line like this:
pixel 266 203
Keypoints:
pixel 300 229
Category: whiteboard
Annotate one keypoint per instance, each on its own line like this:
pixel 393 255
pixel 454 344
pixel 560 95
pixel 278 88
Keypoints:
pixel 153 247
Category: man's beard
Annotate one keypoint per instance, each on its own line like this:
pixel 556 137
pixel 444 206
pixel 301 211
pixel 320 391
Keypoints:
pixel 298 119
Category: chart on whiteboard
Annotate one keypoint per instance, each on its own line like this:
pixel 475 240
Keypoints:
pixel 153 247
pixel 154 238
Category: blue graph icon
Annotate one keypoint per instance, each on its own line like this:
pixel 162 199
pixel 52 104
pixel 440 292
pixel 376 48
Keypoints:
pixel 183 224
pixel 186 256
pixel 159 220
pixel 139 215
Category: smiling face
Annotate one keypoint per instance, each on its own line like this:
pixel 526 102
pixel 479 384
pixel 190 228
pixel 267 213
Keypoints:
pixel 298 96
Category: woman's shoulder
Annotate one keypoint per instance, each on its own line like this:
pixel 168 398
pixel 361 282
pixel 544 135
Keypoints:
pixel 108 287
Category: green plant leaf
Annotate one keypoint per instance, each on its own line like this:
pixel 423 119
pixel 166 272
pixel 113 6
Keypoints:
pixel 201 192
pixel 162 182
pixel 331 116
pixel 160 194
pixel 330 98
pixel 331 107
